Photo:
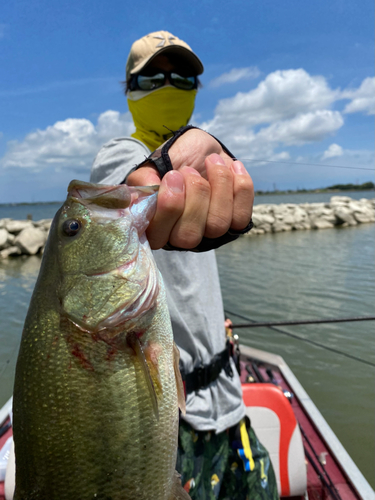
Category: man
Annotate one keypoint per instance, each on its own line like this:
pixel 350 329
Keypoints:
pixel 205 199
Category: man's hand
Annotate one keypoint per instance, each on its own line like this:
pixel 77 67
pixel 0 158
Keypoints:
pixel 206 194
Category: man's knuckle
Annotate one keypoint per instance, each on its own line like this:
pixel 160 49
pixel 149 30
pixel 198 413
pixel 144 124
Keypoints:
pixel 201 186
pixel 187 239
pixel 244 183
pixel 217 225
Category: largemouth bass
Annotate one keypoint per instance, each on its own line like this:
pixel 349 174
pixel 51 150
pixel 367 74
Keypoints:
pixel 97 384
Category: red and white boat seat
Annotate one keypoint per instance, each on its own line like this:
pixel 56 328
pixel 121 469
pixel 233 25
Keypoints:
pixel 276 427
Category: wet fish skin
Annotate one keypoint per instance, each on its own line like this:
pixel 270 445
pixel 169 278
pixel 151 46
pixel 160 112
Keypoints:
pixel 92 420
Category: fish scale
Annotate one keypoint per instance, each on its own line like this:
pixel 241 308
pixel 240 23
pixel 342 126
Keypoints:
pixel 92 418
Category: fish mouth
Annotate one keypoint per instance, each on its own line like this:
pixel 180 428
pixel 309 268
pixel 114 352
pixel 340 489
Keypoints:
pixel 111 197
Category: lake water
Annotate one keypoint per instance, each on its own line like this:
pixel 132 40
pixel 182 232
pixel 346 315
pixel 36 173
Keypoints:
pixel 284 276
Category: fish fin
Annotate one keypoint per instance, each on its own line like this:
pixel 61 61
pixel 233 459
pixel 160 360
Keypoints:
pixel 178 492
pixel 136 344
pixel 152 351
pixel 179 383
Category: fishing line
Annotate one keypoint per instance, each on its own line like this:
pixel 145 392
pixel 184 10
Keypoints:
pixel 261 160
pixel 313 342
pixel 308 164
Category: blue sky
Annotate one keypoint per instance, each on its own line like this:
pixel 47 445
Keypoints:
pixel 287 81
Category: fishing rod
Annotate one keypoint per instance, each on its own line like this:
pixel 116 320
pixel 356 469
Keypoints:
pixel 308 341
pixel 305 322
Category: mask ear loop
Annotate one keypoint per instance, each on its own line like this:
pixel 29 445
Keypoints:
pixel 160 158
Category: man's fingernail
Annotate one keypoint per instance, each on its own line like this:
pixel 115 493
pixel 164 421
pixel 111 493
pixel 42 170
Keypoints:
pixel 174 181
pixel 239 168
pixel 217 159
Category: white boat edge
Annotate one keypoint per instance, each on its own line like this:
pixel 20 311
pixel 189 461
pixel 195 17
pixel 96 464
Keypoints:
pixel 6 410
pixel 354 475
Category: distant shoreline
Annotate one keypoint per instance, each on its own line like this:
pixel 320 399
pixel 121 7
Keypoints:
pixel 337 188
pixel 367 186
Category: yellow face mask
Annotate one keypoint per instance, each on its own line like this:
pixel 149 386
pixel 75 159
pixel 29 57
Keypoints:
pixel 165 107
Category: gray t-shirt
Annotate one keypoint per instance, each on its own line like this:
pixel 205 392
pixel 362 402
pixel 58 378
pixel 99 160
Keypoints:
pixel 194 301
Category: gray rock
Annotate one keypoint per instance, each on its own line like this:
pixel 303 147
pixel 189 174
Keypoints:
pixel 43 224
pixel 31 240
pixel 363 218
pixel 344 214
pixel 313 207
pixel 6 239
pixel 321 224
pixel 340 199
pixel 16 226
pixel 326 214
pixel 289 219
pixel 302 225
pixel 261 219
pixel 267 228
pixel 299 214
pixel 10 251
pixel 3 222
pixel 370 203
pixel 256 230
pixel 280 209
pixel 3 238
pixel 278 227
pixel 264 209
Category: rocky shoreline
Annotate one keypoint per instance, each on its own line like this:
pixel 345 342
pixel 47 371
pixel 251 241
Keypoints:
pixel 27 237
pixel 341 211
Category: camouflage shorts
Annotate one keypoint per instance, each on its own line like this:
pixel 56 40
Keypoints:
pixel 232 465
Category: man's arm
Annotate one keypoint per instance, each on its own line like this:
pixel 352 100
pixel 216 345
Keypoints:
pixel 116 158
pixel 206 194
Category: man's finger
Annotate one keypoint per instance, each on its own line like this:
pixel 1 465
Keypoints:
pixel 144 176
pixel 220 177
pixel 170 206
pixel 189 229
pixel 243 196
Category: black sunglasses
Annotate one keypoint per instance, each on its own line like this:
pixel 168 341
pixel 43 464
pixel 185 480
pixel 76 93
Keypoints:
pixel 152 82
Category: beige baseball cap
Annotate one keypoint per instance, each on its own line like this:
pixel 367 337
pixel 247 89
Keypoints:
pixel 153 44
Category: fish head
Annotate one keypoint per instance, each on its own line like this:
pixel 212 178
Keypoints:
pixel 107 274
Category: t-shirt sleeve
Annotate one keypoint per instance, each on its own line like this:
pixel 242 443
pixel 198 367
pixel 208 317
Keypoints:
pixel 116 158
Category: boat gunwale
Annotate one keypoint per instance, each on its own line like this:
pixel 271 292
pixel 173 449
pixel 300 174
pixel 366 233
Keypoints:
pixel 349 468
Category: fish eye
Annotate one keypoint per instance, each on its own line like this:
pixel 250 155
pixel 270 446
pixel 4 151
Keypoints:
pixel 71 227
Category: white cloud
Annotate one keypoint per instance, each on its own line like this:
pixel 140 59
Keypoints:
pixel 362 99
pixel 281 95
pixel 294 106
pixel 303 128
pixel 70 143
pixel 235 75
pixel 332 151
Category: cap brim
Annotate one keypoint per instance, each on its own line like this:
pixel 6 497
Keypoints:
pixel 187 54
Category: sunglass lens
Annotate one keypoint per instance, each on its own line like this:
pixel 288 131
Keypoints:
pixel 183 82
pixel 150 82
